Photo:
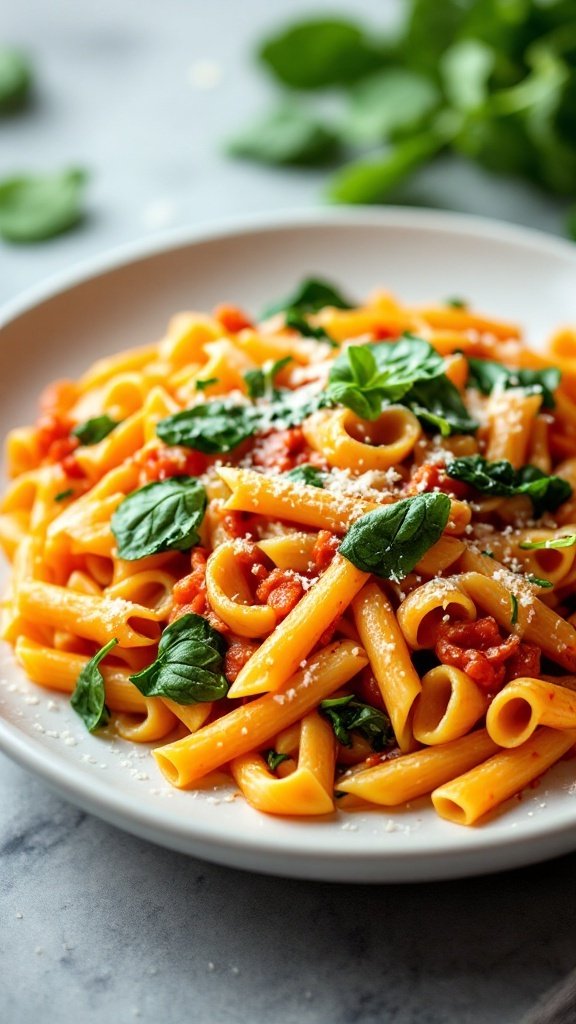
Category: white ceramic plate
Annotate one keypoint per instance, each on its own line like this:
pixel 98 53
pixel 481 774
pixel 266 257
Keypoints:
pixel 125 300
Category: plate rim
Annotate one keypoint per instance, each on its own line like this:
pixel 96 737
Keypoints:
pixel 145 820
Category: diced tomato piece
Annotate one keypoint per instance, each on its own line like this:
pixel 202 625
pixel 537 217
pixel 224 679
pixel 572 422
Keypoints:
pixel 524 662
pixel 72 467
pixel 324 549
pixel 58 397
pixel 282 450
pixel 282 590
pixel 431 476
pixel 239 525
pixel 239 652
pixel 478 649
pixel 161 463
pixel 232 318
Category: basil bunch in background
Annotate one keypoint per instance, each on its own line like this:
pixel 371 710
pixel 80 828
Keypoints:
pixel 489 80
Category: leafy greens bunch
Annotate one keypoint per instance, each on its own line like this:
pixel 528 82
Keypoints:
pixel 491 80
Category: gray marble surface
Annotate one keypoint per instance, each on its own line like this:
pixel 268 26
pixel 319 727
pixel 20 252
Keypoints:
pixel 97 926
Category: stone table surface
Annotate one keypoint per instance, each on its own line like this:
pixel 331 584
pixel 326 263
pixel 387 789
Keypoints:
pixel 98 926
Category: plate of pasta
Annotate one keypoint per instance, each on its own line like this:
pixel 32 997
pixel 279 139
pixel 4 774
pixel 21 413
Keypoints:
pixel 290 516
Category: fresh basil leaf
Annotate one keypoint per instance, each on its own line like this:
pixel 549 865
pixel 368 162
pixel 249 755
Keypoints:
pixel 289 135
pixel 94 430
pixel 188 669
pixel 438 405
pixel 89 697
pixel 391 102
pixel 63 495
pixel 201 385
pixel 391 540
pixel 513 609
pixel 552 544
pixel 273 759
pixel 161 516
pixel 210 427
pixel 487 376
pixel 372 179
pixel 15 80
pixel 311 295
pixel 33 209
pixel 366 377
pixel 289 408
pixel 309 475
pixel 346 715
pixel 500 479
pixel 260 382
pixel 299 323
pixel 319 52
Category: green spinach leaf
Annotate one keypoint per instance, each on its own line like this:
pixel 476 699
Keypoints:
pixel 33 209
pixel 210 427
pixel 273 759
pixel 89 697
pixel 390 541
pixel 438 406
pixel 260 382
pixel 487 376
pixel 366 377
pixel 188 668
pixel 502 480
pixel 94 430
pixel 319 52
pixel 311 295
pixel 299 323
pixel 309 475
pixel 346 715
pixel 288 135
pixel 161 516
pixel 15 80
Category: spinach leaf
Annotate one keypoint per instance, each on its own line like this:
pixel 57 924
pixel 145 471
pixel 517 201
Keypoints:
pixel 388 104
pixel 210 427
pixel 33 209
pixel 299 323
pixel 487 375
pixel 309 475
pixel 391 540
pixel 438 406
pixel 161 516
pixel 502 480
pixel 372 179
pixel 288 135
pixel 260 382
pixel 15 80
pixel 466 67
pixel 346 715
pixel 94 430
pixel 319 52
pixel 553 543
pixel 188 668
pixel 366 377
pixel 89 697
pixel 311 295
pixel 273 759
pixel 215 427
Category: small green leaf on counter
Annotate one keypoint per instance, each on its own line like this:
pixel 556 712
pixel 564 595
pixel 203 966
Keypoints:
pixel 161 516
pixel 15 80
pixel 387 104
pixel 188 669
pixel 89 697
pixel 390 541
pixel 36 208
pixel 319 52
pixel 287 135
pixel 94 430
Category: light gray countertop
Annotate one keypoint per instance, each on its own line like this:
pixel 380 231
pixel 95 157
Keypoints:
pixel 97 926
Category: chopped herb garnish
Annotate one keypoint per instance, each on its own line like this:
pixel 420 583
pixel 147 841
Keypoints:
pixel 260 382
pixel 513 609
pixel 297 322
pixel 273 759
pixel 310 296
pixel 551 544
pixel 306 475
pixel 62 495
pixel 456 303
pixel 201 385
pixel 539 582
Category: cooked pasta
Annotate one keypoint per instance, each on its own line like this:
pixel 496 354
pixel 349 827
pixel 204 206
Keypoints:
pixel 330 552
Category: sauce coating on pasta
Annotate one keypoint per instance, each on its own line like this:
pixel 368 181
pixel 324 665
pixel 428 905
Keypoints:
pixel 331 551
